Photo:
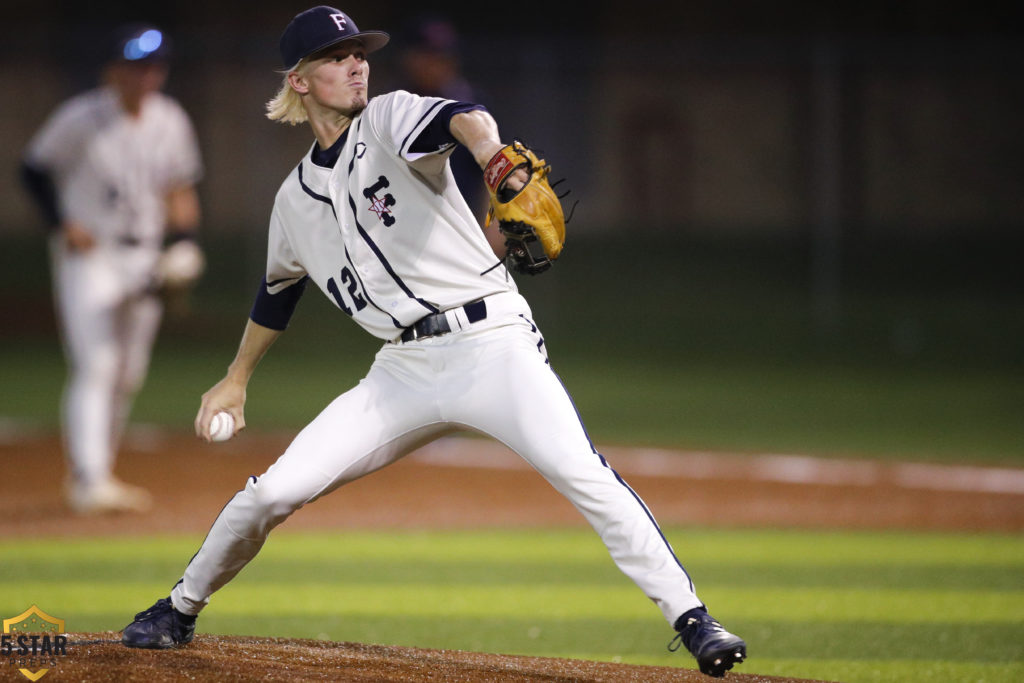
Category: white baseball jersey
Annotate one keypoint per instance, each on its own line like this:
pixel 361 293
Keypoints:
pixel 385 232
pixel 112 170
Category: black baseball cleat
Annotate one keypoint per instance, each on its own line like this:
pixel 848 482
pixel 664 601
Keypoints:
pixel 159 628
pixel 715 648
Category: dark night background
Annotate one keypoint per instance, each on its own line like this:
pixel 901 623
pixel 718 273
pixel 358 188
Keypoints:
pixel 763 182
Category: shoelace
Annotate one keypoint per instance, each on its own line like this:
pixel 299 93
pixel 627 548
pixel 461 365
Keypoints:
pixel 160 607
pixel 692 624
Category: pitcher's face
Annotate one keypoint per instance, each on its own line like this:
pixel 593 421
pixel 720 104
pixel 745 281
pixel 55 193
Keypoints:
pixel 338 77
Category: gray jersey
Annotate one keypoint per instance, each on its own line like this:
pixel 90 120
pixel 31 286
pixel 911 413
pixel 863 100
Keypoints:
pixel 385 233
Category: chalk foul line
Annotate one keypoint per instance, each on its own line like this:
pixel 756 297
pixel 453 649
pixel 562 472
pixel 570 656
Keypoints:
pixel 766 467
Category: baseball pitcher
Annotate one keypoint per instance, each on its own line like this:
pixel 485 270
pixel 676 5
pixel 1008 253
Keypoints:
pixel 372 216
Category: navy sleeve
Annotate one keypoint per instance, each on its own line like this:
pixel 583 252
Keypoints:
pixel 275 310
pixel 437 134
pixel 40 186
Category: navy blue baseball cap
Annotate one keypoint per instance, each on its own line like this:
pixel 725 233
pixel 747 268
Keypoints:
pixel 322 27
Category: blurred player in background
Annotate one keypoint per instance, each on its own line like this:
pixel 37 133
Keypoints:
pixel 113 171
pixel 430 66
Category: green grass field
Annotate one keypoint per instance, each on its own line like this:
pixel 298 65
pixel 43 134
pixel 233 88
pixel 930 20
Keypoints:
pixel 855 607
pixel 830 410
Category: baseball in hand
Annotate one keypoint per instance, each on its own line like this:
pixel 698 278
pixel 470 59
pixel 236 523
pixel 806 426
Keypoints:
pixel 222 426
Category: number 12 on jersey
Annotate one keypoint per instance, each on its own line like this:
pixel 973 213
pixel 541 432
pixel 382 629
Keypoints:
pixel 352 286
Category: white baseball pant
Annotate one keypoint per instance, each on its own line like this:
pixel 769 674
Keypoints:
pixel 491 377
pixel 109 323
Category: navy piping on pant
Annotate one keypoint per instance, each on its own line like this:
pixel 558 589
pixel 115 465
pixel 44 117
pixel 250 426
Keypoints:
pixel 254 480
pixel 623 482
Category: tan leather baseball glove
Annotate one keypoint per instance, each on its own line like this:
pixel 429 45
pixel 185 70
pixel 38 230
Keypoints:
pixel 530 218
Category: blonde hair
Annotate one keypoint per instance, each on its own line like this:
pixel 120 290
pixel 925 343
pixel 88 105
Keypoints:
pixel 287 106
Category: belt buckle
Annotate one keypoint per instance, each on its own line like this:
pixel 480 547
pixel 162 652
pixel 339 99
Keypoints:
pixel 475 311
pixel 414 330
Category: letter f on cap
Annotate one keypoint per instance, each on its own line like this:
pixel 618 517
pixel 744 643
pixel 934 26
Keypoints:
pixel 339 21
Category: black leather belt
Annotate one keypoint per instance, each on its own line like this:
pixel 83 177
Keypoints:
pixel 436 324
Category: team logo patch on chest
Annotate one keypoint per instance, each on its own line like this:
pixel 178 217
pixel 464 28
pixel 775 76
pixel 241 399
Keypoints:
pixel 381 205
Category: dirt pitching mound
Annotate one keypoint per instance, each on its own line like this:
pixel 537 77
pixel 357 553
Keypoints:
pixel 100 657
